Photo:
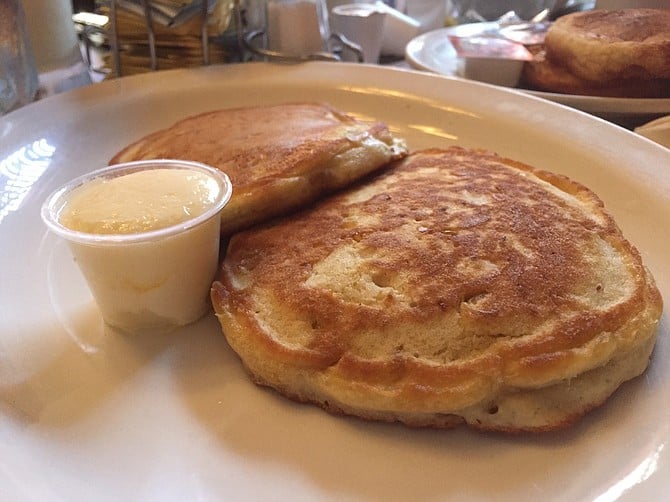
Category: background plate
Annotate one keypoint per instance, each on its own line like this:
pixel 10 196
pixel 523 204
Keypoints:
pixel 89 414
pixel 433 52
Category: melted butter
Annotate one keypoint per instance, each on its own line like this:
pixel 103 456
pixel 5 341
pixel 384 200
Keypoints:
pixel 139 202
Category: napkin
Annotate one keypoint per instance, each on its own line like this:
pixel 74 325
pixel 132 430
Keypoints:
pixel 657 130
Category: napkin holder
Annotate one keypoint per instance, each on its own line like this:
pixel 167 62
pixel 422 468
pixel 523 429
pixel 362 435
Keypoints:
pixel 249 41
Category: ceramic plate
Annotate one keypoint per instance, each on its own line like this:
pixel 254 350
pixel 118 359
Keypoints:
pixel 89 414
pixel 432 51
pixel 657 130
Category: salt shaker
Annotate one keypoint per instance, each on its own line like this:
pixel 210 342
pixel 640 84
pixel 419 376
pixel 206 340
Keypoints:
pixel 18 73
pixel 297 27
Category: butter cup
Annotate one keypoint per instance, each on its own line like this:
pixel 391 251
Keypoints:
pixel 147 281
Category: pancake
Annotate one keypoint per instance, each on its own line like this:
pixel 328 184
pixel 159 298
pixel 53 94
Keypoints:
pixel 543 75
pixel 278 157
pixel 454 287
pixel 609 53
pixel 605 45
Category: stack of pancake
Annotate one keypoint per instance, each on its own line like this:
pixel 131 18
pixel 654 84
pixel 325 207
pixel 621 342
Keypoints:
pixel 433 288
pixel 613 53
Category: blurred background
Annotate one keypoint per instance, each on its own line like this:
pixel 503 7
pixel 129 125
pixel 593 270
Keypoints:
pixel 71 43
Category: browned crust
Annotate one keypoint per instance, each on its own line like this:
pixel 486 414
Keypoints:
pixel 541 315
pixel 483 418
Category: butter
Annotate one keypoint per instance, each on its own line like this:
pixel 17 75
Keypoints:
pixel 139 202
pixel 146 238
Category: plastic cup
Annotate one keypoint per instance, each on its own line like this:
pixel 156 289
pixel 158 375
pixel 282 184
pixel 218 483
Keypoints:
pixel 152 280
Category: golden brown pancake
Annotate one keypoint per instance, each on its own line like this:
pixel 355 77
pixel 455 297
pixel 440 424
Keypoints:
pixel 617 53
pixel 277 157
pixel 455 287
pixel 603 45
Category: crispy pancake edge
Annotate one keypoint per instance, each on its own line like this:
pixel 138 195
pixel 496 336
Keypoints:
pixel 312 149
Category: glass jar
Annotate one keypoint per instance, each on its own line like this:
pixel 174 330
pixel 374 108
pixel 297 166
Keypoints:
pixel 18 73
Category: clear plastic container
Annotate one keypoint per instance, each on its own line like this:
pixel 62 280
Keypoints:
pixel 149 280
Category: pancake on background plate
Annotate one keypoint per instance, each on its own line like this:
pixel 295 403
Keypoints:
pixel 455 287
pixel 613 53
pixel 278 157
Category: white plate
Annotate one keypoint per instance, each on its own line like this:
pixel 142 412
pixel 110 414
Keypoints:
pixel 657 130
pixel 88 414
pixel 433 52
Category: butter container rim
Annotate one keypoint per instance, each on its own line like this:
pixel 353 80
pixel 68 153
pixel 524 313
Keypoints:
pixel 55 202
